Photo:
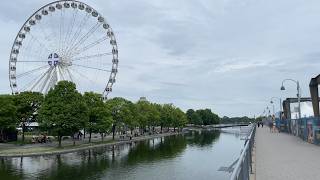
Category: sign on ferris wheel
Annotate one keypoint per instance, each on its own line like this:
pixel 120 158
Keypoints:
pixel 64 40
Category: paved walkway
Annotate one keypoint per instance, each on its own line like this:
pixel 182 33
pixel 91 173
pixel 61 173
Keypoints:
pixel 283 156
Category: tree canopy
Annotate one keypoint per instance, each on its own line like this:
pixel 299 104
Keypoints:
pixel 63 111
pixel 7 114
pixel 202 117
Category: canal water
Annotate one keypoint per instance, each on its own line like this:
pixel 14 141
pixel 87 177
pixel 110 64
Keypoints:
pixel 194 155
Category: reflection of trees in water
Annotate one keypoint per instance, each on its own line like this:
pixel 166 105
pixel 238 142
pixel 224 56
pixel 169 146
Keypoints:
pixel 202 138
pixel 157 149
pixel 93 164
pixel 7 170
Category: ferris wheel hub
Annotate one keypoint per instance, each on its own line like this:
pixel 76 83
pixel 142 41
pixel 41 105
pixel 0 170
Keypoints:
pixel 53 59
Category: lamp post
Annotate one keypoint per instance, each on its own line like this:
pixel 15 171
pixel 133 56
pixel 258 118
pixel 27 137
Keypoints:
pixel 280 107
pixel 298 95
pixel 267 112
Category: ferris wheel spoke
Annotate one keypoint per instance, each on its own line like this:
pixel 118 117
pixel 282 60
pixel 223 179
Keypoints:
pixel 32 71
pixel 44 33
pixel 91 56
pixel 85 37
pixel 69 74
pixel 77 33
pixel 84 76
pixel 89 46
pixel 88 67
pixel 34 57
pixel 61 22
pixel 70 29
pixel 38 41
pixel 51 39
pixel 29 84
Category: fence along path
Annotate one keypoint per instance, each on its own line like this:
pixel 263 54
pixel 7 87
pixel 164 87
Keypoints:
pixel 280 156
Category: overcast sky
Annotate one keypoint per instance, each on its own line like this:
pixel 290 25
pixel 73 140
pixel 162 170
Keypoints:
pixel 227 55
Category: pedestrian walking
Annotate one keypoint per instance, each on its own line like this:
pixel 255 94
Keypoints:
pixel 270 126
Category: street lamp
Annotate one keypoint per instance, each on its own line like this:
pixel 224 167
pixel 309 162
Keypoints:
pixel 280 106
pixel 298 95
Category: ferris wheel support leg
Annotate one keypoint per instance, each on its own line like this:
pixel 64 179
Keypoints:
pixel 52 81
pixel 39 80
pixel 46 80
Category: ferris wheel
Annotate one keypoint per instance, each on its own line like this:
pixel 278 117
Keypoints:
pixel 64 40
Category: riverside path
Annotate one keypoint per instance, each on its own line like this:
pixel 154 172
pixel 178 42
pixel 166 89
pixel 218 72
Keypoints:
pixel 281 156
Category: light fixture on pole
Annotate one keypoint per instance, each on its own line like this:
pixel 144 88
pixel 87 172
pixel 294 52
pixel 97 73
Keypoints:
pixel 298 95
pixel 280 106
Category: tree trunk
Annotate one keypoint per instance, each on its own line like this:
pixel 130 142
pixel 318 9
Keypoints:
pixel 161 129
pixel 174 129
pixel 74 140
pixel 84 133
pixel 59 139
pixel 113 131
pixel 101 136
pixel 23 128
pixel 90 132
pixel 1 135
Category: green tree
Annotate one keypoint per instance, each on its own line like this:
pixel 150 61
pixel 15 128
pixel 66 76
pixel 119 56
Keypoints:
pixel 7 114
pixel 149 115
pixel 99 117
pixel 27 104
pixel 63 110
pixel 208 117
pixel 128 114
pixel 167 116
pixel 196 119
pixel 104 122
pixel 154 116
pixel 189 114
pixel 180 119
pixel 119 110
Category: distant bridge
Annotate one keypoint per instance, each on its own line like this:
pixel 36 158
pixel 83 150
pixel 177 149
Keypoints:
pixel 215 126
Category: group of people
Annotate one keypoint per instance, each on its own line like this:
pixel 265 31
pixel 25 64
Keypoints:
pixel 40 139
pixel 260 123
pixel 272 125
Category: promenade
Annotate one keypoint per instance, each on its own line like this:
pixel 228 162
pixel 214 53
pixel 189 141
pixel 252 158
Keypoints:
pixel 280 156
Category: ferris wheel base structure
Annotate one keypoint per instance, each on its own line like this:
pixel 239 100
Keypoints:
pixel 64 40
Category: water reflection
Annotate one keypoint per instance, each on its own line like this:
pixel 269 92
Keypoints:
pixel 130 161
pixel 202 138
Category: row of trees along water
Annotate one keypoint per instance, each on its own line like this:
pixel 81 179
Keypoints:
pixel 202 117
pixel 64 112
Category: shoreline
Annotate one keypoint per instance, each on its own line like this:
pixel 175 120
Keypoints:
pixel 79 148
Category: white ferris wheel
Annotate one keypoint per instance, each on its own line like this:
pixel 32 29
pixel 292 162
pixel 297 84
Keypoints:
pixel 64 40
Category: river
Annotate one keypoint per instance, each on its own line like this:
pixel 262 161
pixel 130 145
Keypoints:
pixel 194 155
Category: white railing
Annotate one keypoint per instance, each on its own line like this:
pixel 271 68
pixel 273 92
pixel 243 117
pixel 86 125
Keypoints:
pixel 243 168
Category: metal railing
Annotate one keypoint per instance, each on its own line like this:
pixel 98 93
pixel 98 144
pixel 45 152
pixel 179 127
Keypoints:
pixel 243 168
